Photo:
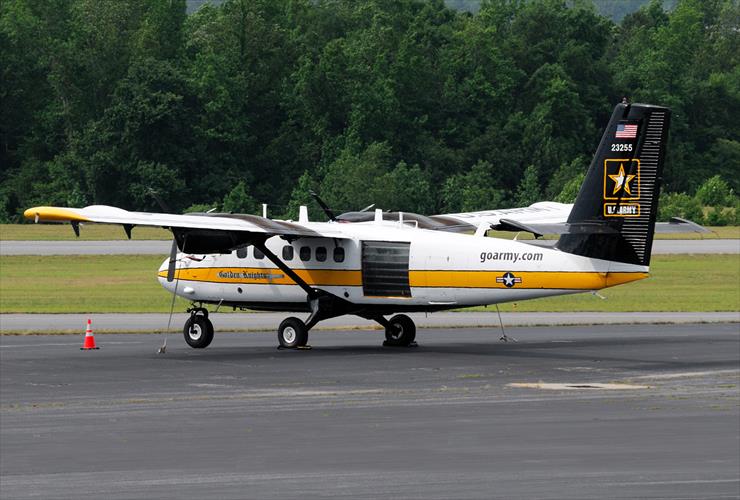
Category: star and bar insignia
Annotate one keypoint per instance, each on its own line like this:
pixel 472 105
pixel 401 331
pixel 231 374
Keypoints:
pixel 508 279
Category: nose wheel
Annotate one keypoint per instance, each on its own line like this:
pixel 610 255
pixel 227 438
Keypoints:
pixel 198 331
pixel 292 333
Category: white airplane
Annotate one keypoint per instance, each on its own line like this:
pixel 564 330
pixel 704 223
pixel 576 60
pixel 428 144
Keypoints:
pixel 375 264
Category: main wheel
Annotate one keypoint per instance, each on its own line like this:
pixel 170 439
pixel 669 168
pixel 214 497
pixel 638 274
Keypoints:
pixel 401 331
pixel 292 332
pixel 198 331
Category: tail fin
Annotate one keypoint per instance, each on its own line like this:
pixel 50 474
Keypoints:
pixel 620 191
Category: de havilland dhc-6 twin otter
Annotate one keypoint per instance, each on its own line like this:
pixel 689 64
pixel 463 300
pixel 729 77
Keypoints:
pixel 378 264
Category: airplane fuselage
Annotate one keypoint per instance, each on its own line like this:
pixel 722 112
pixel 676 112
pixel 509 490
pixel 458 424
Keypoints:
pixel 392 267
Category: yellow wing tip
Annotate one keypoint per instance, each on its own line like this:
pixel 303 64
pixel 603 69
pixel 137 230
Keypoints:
pixel 55 214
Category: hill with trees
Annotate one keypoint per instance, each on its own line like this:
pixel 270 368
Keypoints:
pixel 408 104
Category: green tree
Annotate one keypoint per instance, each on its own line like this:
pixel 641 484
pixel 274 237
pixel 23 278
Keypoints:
pixel 679 205
pixel 472 191
pixel 404 188
pixel 715 192
pixel 571 188
pixel 239 201
pixel 567 174
pixel 349 180
pixel 301 196
pixel 528 191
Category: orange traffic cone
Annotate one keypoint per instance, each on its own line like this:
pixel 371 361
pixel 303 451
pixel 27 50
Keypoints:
pixel 89 339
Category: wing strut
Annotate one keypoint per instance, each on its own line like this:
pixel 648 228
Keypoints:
pixel 323 304
pixel 260 244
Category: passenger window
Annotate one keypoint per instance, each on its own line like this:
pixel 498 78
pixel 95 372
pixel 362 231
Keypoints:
pixel 321 254
pixel 241 252
pixel 287 252
pixel 338 254
pixel 258 253
pixel 305 253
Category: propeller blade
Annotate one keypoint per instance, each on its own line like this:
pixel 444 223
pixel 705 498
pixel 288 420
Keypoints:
pixel 323 206
pixel 155 194
pixel 368 207
pixel 173 262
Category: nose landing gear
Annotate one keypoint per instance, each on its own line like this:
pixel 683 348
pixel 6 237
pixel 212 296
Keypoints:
pixel 292 333
pixel 198 329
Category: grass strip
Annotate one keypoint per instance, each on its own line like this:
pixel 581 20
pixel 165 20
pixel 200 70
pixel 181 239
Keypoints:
pixel 88 232
pixel 128 284
pixel 83 284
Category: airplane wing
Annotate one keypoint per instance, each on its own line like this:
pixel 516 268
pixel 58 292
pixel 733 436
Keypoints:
pixel 549 217
pixel 467 222
pixel 549 212
pixel 194 233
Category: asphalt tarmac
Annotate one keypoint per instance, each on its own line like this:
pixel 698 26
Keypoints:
pixel 154 247
pixel 351 419
pixel 239 322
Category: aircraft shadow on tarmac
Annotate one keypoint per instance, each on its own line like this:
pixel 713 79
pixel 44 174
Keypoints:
pixel 659 353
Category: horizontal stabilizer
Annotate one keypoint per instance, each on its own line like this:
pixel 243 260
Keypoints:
pixel 679 225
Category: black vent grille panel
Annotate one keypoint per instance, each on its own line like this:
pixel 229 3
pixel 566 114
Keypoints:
pixel 385 269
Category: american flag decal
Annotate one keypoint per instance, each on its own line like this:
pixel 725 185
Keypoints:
pixel 626 131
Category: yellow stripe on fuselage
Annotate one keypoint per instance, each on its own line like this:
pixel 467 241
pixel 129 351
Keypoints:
pixel 530 279
pixel 421 278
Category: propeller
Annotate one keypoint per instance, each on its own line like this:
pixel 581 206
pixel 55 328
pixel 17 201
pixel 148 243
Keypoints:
pixel 170 278
pixel 323 205
pixel 328 211
pixel 173 261
pixel 155 194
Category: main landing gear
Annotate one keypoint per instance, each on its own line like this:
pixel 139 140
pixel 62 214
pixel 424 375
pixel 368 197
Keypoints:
pixel 198 329
pixel 400 331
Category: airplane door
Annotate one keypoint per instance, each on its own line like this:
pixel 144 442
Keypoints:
pixel 385 269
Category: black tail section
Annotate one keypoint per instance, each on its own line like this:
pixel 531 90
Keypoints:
pixel 621 187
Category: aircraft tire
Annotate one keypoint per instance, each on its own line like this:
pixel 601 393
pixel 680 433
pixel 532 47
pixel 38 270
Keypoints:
pixel 198 332
pixel 292 333
pixel 401 331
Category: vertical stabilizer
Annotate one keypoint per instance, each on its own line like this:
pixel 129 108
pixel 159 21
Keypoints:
pixel 620 191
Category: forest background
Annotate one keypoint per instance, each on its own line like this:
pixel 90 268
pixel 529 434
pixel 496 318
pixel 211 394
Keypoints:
pixel 408 104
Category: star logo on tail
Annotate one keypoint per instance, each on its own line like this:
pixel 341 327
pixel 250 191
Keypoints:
pixel 622 181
